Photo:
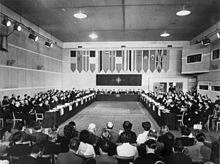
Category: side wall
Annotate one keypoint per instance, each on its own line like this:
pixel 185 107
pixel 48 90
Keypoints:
pixel 28 66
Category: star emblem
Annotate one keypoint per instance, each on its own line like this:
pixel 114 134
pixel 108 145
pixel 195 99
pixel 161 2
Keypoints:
pixel 118 80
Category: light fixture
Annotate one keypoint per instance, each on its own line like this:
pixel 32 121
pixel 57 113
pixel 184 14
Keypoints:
pixel 17 26
pixel 93 36
pixel 165 34
pixel 206 42
pixel 218 35
pixel 6 22
pixel 183 12
pixel 48 44
pixel 80 15
pixel 33 37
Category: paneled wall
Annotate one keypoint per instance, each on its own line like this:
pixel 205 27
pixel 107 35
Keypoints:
pixel 74 78
pixel 28 66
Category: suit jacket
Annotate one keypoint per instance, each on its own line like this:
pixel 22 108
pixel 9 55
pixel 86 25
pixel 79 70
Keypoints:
pixel 178 158
pixel 40 137
pixel 105 159
pixel 19 150
pixel 186 141
pixel 69 157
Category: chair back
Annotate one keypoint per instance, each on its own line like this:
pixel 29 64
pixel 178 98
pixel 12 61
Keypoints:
pixel 124 160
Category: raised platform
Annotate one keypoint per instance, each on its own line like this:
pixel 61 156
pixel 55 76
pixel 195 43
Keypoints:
pixel 117 97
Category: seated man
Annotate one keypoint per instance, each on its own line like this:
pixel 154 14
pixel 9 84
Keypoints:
pixel 127 125
pixel 70 156
pixel 185 139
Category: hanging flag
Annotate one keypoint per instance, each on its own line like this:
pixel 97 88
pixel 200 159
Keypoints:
pixel 85 61
pixel 133 63
pixel 166 60
pixel 129 60
pixel 138 60
pixel 106 60
pixel 92 61
pixel 123 60
pixel 112 61
pixel 118 60
pixel 73 60
pixel 159 60
pixel 145 60
pixel 79 61
pixel 152 60
pixel 100 61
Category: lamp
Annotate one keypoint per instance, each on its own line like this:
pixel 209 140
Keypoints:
pixel 206 42
pixel 48 44
pixel 218 35
pixel 6 22
pixel 17 26
pixel 183 12
pixel 80 15
pixel 93 36
pixel 165 34
pixel 33 37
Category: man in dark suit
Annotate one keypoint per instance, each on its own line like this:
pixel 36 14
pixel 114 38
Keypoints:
pixel 178 156
pixel 185 139
pixel 71 156
pixel 38 135
pixel 127 125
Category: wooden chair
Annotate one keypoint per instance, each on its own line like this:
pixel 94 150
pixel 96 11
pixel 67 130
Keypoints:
pixel 15 119
pixel 38 116
pixel 180 119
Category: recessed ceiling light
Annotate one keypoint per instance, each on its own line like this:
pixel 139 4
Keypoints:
pixel 80 15
pixel 183 12
pixel 93 36
pixel 165 34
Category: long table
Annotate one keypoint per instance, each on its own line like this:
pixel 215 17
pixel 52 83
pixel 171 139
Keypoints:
pixel 117 97
pixel 162 118
pixel 56 117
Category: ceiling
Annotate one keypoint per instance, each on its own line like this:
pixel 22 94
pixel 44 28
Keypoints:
pixel 118 20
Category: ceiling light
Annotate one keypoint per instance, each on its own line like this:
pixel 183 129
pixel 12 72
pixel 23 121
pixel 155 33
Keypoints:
pixel 165 34
pixel 218 35
pixel 206 42
pixel 33 37
pixel 183 12
pixel 93 36
pixel 17 26
pixel 48 44
pixel 6 22
pixel 80 15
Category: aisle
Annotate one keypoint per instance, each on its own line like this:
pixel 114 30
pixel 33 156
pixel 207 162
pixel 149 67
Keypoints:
pixel 101 112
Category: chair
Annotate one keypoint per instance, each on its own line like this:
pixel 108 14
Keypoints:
pixel 217 125
pixel 124 160
pixel 15 119
pixel 180 119
pixel 38 116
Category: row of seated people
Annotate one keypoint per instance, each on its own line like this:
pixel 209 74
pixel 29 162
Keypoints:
pixel 110 147
pixel 41 102
pixel 118 91
pixel 197 109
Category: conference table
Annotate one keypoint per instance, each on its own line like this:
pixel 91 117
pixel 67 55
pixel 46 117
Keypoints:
pixel 118 97
pixel 161 115
pixel 60 114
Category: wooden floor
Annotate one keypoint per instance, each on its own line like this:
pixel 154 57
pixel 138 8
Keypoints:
pixel 100 112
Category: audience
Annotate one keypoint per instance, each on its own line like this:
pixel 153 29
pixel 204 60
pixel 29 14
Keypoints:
pixel 144 136
pixel 127 125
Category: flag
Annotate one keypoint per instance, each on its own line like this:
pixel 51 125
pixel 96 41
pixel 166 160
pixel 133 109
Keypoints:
pixel 152 60
pixel 145 60
pixel 118 60
pixel 85 60
pixel 139 60
pixel 92 60
pixel 106 60
pixel 79 61
pixel 165 62
pixel 159 60
pixel 100 61
pixel 112 61
pixel 73 60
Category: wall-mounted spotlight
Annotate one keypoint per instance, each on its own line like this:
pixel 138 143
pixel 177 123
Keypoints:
pixel 206 42
pixel 17 26
pixel 48 44
pixel 218 35
pixel 6 22
pixel 33 37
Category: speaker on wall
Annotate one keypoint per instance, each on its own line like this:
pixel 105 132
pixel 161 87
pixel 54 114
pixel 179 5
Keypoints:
pixel 4 43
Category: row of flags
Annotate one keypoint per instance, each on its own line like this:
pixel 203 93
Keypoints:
pixel 119 60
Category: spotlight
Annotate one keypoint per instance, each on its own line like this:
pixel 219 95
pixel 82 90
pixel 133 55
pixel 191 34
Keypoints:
pixel 93 36
pixel 165 34
pixel 80 15
pixel 17 26
pixel 6 22
pixel 33 37
pixel 206 42
pixel 48 44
